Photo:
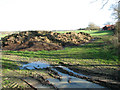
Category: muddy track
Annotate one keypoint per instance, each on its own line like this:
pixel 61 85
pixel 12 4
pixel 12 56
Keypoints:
pixel 97 81
pixel 40 79
pixel 90 71
pixel 29 84
pixel 61 75
pixel 53 73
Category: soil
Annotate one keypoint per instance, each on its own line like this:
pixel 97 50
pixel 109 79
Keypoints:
pixel 43 40
pixel 109 81
pixel 104 80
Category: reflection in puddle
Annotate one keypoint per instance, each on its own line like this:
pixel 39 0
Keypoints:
pixel 67 80
pixel 65 68
pixel 33 65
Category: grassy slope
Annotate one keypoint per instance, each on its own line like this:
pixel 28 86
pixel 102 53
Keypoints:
pixel 94 52
pixel 98 50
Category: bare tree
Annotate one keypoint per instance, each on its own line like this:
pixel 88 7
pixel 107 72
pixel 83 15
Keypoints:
pixel 105 2
pixel 92 26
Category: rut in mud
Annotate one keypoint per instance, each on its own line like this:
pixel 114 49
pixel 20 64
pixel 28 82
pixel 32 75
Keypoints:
pixel 62 77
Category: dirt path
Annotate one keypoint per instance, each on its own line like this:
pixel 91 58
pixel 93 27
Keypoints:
pixel 109 81
pixel 69 79
pixel 53 79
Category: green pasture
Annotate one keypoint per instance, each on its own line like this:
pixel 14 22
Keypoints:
pixel 99 51
pixel 92 32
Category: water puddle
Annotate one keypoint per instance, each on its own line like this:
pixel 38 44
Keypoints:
pixel 34 65
pixel 67 81
pixel 65 68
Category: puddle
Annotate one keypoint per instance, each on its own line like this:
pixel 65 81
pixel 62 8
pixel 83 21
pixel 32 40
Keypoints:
pixel 65 68
pixel 33 65
pixel 67 81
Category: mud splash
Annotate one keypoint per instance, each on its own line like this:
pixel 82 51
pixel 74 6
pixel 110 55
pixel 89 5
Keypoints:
pixel 66 81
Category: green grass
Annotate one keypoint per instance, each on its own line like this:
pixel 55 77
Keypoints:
pixel 92 32
pixel 99 50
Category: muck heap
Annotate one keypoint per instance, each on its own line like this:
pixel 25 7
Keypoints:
pixel 43 40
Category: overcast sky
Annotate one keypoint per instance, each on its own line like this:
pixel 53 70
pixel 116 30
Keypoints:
pixel 51 14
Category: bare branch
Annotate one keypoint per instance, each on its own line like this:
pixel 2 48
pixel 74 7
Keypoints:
pixel 105 4
pixel 106 1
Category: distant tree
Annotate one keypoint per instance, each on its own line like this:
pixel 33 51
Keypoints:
pixel 92 26
pixel 81 29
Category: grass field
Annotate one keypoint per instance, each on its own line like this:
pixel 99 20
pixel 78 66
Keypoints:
pixel 92 32
pixel 100 51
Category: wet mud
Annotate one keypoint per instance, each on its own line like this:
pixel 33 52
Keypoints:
pixel 63 77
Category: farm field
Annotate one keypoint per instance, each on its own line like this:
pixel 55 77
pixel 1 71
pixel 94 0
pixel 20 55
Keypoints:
pixel 93 32
pixel 97 59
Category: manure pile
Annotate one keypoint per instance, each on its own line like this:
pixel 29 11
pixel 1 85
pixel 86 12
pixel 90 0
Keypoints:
pixel 43 40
